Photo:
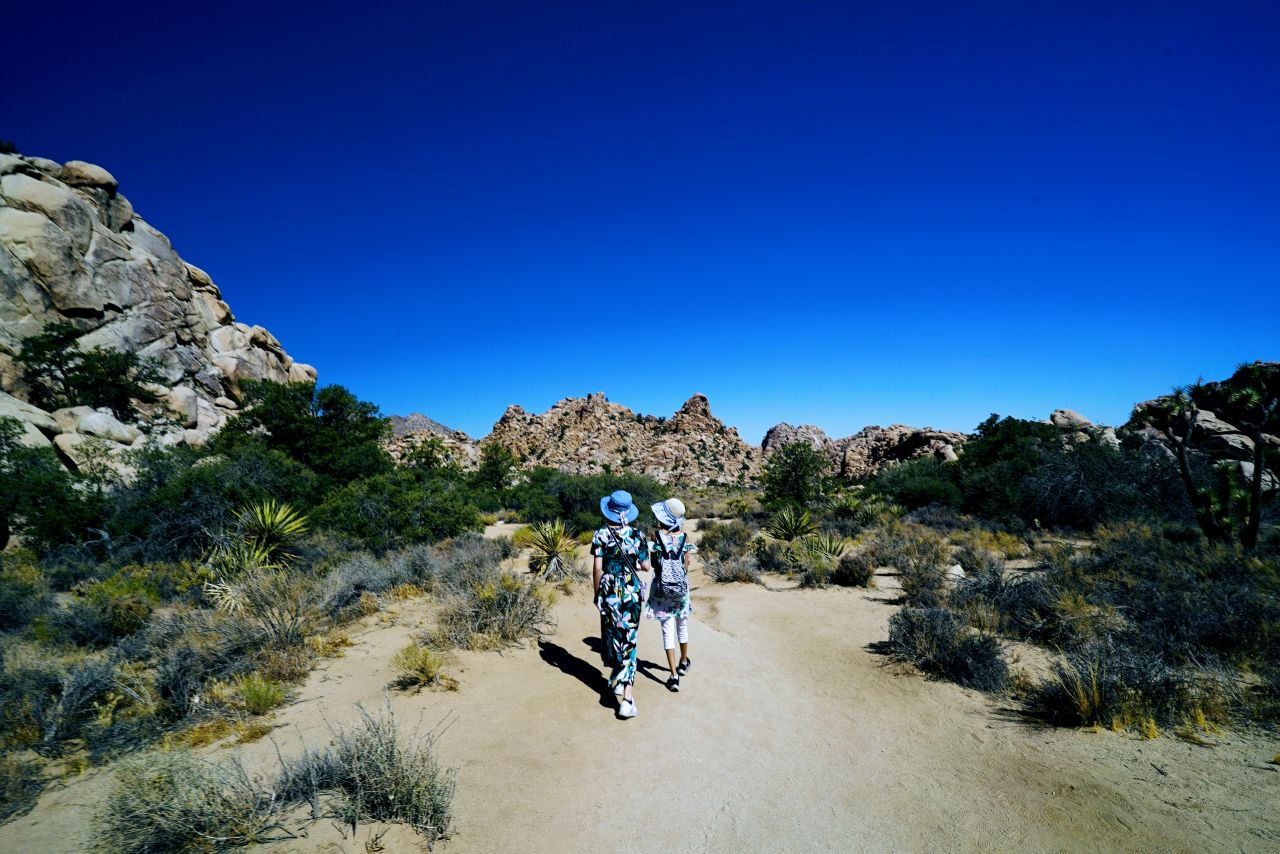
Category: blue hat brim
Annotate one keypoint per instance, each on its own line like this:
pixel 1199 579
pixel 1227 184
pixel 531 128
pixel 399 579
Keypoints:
pixel 632 512
pixel 663 515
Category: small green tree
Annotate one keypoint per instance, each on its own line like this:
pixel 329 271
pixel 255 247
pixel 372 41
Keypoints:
pixel 1259 408
pixel 58 374
pixel 40 499
pixel 795 475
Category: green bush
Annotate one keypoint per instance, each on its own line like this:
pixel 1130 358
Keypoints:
pixel 258 694
pixel 918 554
pixel 48 505
pixel 919 483
pixel 794 475
pixel 59 374
pixel 545 494
pixel 855 569
pixel 394 510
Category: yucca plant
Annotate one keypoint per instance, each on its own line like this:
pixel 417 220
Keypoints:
pixel 553 546
pixel 790 524
pixel 825 545
pixel 273 526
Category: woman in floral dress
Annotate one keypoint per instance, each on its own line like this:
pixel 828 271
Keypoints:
pixel 620 553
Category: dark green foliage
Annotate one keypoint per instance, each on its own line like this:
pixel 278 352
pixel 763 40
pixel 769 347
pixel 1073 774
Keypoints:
pixel 8 146
pixel 391 510
pixel 919 483
pixel 994 462
pixel 329 430
pixel 39 498
pixel 795 475
pixel 181 496
pixel 58 374
pixel 937 641
pixel 855 569
pixel 546 494
pixel 24 591
pixel 494 476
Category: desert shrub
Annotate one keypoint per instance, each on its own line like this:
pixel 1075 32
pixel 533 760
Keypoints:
pixel 21 782
pixel 192 648
pixel 484 607
pixel 259 694
pixel 855 569
pixel 744 568
pixel 284 604
pixel 771 555
pixel 30 681
pixel 794 475
pixel 175 801
pixel 919 483
pixel 421 666
pixel 104 611
pixel 360 574
pixel 725 540
pixel 377 774
pixel 24 592
pixel 937 641
pixel 918 554
pixel 81 686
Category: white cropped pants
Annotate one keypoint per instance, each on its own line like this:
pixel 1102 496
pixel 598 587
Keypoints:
pixel 674 628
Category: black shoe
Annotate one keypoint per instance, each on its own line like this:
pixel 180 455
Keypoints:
pixel 673 684
pixel 684 667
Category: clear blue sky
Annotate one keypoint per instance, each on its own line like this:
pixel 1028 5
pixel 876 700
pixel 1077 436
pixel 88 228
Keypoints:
pixel 842 214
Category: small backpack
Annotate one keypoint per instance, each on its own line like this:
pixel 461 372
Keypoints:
pixel 672 578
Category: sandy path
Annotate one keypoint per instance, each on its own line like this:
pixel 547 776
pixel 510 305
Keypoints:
pixel 790 734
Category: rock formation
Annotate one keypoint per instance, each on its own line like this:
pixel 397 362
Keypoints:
pixel 73 249
pixel 591 434
pixel 408 431
pixel 871 448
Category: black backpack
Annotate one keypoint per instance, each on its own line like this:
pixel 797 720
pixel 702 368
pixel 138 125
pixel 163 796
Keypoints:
pixel 670 576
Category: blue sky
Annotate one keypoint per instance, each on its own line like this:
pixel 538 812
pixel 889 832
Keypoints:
pixel 841 214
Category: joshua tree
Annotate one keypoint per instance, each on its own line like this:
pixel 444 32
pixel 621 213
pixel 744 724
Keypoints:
pixel 1259 413
pixel 1177 416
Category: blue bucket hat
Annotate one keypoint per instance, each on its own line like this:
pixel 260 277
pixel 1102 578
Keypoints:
pixel 618 507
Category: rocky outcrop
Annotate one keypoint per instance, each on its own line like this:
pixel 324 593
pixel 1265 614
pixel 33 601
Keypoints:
pixel 1220 433
pixel 73 249
pixel 586 435
pixel 408 431
pixel 870 449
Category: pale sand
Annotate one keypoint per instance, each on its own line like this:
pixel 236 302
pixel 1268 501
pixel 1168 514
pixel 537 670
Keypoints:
pixel 789 734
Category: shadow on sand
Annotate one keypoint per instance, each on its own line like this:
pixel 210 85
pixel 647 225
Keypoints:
pixel 585 672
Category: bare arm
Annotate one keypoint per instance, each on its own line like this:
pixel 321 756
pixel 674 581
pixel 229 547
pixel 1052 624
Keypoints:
pixel 597 570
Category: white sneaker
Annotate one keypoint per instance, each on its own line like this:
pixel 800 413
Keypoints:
pixel 627 709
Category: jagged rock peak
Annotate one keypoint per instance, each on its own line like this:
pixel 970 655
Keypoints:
pixel 73 249
pixel 416 422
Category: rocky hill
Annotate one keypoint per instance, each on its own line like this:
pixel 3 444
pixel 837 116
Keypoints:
pixel 871 448
pixel 73 249
pixel 592 434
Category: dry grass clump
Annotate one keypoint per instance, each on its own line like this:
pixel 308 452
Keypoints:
pixel 374 774
pixel 422 667
pixel 744 568
pixel 259 694
pixel 725 540
pixel 488 608
pixel 175 801
pixel 918 554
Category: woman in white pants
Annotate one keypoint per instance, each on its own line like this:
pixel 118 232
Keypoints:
pixel 669 602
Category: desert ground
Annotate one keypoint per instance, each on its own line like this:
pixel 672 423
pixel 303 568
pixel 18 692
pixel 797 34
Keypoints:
pixel 791 733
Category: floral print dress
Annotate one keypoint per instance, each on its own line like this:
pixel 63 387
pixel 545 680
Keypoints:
pixel 662 607
pixel 620 597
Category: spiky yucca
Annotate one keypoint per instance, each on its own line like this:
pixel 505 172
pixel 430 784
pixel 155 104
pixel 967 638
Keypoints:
pixel 274 526
pixel 824 545
pixel 553 545
pixel 790 524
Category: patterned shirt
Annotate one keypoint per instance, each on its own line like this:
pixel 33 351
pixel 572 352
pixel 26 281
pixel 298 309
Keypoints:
pixel 606 544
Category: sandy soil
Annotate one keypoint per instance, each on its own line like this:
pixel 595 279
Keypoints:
pixel 791 733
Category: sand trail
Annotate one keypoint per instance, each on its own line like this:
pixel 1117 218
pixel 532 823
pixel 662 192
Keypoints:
pixel 791 733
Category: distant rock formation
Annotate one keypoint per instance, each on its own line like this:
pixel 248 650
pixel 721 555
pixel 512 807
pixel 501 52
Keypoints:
pixel 408 431
pixel 871 448
pixel 591 434
pixel 73 249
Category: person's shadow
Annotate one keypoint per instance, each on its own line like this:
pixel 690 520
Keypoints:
pixel 569 664
pixel 643 667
